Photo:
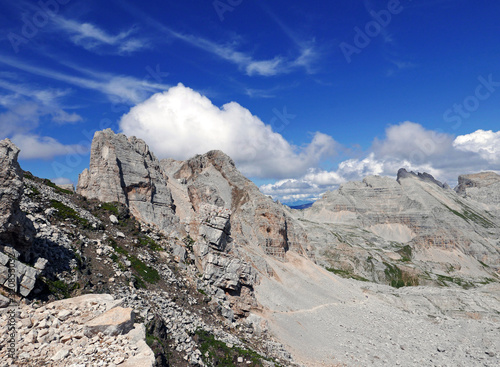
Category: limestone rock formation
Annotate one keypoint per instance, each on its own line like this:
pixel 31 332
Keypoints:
pixel 54 334
pixel 478 180
pixel 15 229
pixel 255 219
pixel 402 231
pixel 482 189
pixel 124 170
pixel 235 226
pixel 205 200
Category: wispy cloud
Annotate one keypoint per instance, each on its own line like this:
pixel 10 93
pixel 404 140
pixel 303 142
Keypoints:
pixel 251 66
pixel 118 88
pixel 308 52
pixel 45 99
pixel 246 62
pixel 22 117
pixel 93 38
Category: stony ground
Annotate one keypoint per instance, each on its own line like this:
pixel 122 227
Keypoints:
pixel 326 320
pixel 74 333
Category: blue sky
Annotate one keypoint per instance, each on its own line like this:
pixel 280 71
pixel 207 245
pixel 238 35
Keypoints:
pixel 303 97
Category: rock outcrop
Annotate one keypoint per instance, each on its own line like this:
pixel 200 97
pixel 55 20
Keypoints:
pixel 225 220
pixel 482 189
pixel 255 219
pixel 401 231
pixel 124 170
pixel 15 229
pixel 17 276
pixel 234 224
pixel 466 183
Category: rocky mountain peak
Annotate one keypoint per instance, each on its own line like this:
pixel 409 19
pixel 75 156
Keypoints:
pixel 124 170
pixel 482 179
pixel 15 229
pixel 403 173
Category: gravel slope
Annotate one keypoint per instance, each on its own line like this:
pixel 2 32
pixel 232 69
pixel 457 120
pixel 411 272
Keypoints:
pixel 329 321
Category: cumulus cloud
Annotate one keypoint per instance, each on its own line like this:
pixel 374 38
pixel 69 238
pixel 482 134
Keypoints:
pixel 307 188
pixel 411 141
pixel 484 143
pixel 43 147
pixel 180 123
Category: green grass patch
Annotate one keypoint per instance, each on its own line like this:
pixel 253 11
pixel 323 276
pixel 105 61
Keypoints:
pixel 346 274
pixel 202 292
pixel 406 253
pixel 49 183
pixel 110 207
pixel 444 280
pixel 470 216
pixel 217 353
pixel 34 192
pixel 398 278
pixel 148 274
pixel 61 289
pixel 65 212
pixel 339 237
pixel 146 241
pixel 138 282
pixel 483 264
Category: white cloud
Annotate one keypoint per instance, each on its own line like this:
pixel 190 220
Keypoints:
pixel 409 140
pixel 265 68
pixel 118 88
pixel 43 102
pixel 270 67
pixel 44 147
pixel 19 118
pixel 485 143
pixel 61 116
pixel 92 38
pixel 62 181
pixel 180 123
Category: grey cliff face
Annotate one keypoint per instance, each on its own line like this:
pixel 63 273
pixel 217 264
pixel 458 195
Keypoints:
pixel 482 189
pixel 15 229
pixel 124 170
pixel 256 220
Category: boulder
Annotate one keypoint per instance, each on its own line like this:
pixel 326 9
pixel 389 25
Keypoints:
pixel 4 301
pixel 117 321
